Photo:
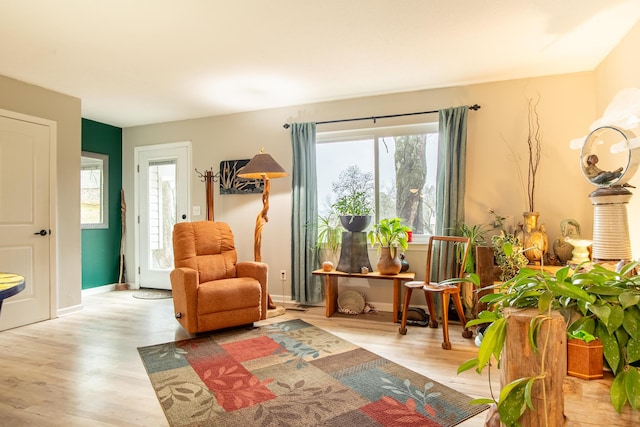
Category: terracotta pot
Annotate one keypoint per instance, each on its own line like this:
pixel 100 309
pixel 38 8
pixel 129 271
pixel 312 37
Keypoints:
pixel 387 264
pixel 584 360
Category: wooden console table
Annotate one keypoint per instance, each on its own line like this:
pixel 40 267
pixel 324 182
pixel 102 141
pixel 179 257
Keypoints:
pixel 331 287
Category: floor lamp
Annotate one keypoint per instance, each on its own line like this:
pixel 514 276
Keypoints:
pixel 264 167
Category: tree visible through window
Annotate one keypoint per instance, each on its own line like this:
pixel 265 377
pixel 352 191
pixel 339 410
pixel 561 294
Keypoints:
pixel 403 161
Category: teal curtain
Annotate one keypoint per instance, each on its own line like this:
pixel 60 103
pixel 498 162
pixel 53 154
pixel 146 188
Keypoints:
pixel 450 181
pixel 305 288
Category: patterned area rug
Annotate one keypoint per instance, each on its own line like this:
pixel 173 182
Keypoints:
pixel 293 374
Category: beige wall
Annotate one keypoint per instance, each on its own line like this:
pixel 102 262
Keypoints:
pixel 65 111
pixel 497 157
pixel 621 70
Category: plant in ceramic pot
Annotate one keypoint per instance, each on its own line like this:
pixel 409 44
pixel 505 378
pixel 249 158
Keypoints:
pixel 584 355
pixel 354 210
pixel 329 237
pixel 354 203
pixel 590 298
pixel 389 234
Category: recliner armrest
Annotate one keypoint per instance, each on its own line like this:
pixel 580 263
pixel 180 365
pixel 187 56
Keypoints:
pixel 260 272
pixel 184 286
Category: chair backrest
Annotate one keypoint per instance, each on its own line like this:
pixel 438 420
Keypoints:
pixel 446 257
pixel 207 247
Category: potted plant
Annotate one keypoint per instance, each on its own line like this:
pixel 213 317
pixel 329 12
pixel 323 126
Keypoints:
pixel 354 203
pixel 354 210
pixel 590 298
pixel 508 254
pixel 329 237
pixel 476 235
pixel 389 233
pixel 584 355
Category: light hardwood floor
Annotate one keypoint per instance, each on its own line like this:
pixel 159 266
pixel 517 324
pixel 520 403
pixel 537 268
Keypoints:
pixel 84 369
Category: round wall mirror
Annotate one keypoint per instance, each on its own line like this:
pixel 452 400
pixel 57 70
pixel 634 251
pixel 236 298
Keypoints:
pixel 607 157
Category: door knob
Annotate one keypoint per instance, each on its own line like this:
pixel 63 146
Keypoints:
pixel 184 216
pixel 42 232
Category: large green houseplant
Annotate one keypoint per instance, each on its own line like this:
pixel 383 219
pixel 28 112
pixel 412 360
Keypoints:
pixel 591 298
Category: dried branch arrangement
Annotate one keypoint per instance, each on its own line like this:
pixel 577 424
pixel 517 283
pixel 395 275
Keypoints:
pixel 534 140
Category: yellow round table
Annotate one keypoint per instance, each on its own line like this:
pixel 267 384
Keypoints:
pixel 10 284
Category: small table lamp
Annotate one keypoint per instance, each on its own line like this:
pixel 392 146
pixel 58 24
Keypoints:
pixel 262 166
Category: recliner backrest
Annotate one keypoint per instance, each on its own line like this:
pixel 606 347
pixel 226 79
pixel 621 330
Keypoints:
pixel 207 247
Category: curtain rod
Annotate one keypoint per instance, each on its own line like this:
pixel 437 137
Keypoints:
pixel 474 107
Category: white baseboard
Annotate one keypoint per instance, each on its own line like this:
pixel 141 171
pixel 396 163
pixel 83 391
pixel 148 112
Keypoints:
pixel 69 310
pixel 98 290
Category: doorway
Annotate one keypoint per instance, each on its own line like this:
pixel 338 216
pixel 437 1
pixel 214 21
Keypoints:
pixel 27 246
pixel 162 187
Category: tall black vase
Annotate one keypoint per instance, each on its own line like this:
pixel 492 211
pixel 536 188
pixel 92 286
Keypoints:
pixel 353 252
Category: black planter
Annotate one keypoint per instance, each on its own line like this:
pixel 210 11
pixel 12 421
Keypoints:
pixel 353 252
pixel 355 222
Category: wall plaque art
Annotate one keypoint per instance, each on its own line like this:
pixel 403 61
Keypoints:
pixel 230 183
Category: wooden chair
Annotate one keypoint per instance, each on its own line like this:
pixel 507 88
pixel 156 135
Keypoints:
pixel 446 258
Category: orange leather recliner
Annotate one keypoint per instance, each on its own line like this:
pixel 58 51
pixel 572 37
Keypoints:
pixel 211 290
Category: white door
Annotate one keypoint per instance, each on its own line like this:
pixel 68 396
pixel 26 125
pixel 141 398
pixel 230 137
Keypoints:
pixel 25 217
pixel 163 200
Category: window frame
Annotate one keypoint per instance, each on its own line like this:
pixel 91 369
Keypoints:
pixel 102 160
pixel 375 134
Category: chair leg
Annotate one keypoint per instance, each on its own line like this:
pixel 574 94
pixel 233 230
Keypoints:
pixel 446 344
pixel 433 323
pixel 407 299
pixel 466 333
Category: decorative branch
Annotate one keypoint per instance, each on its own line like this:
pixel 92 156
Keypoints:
pixel 534 140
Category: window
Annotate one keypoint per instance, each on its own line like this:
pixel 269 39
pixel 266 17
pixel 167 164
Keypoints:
pixel 403 161
pixel 163 211
pixel 94 189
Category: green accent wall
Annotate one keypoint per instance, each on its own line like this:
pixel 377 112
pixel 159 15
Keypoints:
pixel 101 247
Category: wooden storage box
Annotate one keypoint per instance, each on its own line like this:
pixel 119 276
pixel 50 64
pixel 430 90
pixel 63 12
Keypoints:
pixel 584 360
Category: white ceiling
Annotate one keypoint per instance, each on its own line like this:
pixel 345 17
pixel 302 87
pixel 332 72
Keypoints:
pixel 136 62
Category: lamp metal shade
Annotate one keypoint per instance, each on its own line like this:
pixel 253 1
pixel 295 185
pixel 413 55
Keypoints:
pixel 262 165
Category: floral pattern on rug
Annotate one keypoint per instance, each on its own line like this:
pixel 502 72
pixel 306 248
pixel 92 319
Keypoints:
pixel 293 374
